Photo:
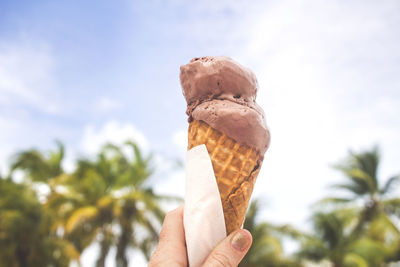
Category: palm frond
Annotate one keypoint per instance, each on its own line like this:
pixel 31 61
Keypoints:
pixel 80 216
pixel 370 250
pixel 70 251
pixel 148 225
pixel 33 163
pixel 289 230
pixel 159 197
pixel 368 162
pixel 146 246
pixel 313 249
pixel 335 201
pixel 353 259
pixel 362 178
pixel 38 166
pixel 392 206
pixel 55 159
pixel 383 229
pixel 270 243
pixel 355 189
pixel 390 184
pixel 151 204
pixel 361 169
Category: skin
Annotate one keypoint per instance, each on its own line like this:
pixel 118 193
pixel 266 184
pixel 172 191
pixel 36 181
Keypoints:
pixel 171 249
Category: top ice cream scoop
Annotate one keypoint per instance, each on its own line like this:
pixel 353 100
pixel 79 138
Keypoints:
pixel 222 93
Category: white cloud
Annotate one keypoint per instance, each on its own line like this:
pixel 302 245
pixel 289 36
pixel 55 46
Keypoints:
pixel 328 82
pixel 111 132
pixel 321 69
pixel 26 75
pixel 106 104
pixel 327 74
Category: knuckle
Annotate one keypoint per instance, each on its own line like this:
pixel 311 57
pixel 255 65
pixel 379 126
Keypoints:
pixel 219 259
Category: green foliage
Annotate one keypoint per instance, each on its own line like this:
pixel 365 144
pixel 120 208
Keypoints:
pixel 111 192
pixel 24 230
pixel 109 200
pixel 38 166
pixel 104 194
pixel 354 234
pixel 266 249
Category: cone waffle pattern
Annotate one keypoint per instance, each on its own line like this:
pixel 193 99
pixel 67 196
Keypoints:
pixel 236 167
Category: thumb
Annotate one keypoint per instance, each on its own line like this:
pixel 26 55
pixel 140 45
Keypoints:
pixel 231 250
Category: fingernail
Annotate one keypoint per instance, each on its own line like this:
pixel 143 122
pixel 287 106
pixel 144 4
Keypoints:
pixel 240 241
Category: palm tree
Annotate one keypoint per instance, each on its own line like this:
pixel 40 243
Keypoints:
pixel 113 193
pixel 361 170
pixel 24 230
pixel 267 249
pixel 45 168
pixel 371 205
pixel 39 166
pixel 333 239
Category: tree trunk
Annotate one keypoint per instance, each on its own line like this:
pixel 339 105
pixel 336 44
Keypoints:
pixel 22 255
pixel 123 242
pixel 105 244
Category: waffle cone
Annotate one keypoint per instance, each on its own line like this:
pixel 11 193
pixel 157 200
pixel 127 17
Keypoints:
pixel 236 167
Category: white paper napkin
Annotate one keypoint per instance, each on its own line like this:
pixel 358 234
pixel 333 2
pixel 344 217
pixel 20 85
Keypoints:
pixel 203 214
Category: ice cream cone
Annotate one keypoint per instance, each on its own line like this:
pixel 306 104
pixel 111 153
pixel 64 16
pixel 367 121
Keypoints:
pixel 236 167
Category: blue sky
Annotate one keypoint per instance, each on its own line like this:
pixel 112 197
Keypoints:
pixel 100 61
pixel 86 72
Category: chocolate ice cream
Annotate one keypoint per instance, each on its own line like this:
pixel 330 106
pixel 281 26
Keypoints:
pixel 222 93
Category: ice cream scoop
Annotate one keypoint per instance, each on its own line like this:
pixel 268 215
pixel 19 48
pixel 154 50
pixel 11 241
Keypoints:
pixel 220 95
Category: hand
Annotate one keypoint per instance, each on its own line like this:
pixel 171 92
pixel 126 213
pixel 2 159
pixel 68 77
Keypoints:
pixel 171 249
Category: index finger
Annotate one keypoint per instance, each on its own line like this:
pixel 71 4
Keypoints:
pixel 172 229
pixel 171 249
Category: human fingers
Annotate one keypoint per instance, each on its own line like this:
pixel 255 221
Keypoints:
pixel 231 250
pixel 171 249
